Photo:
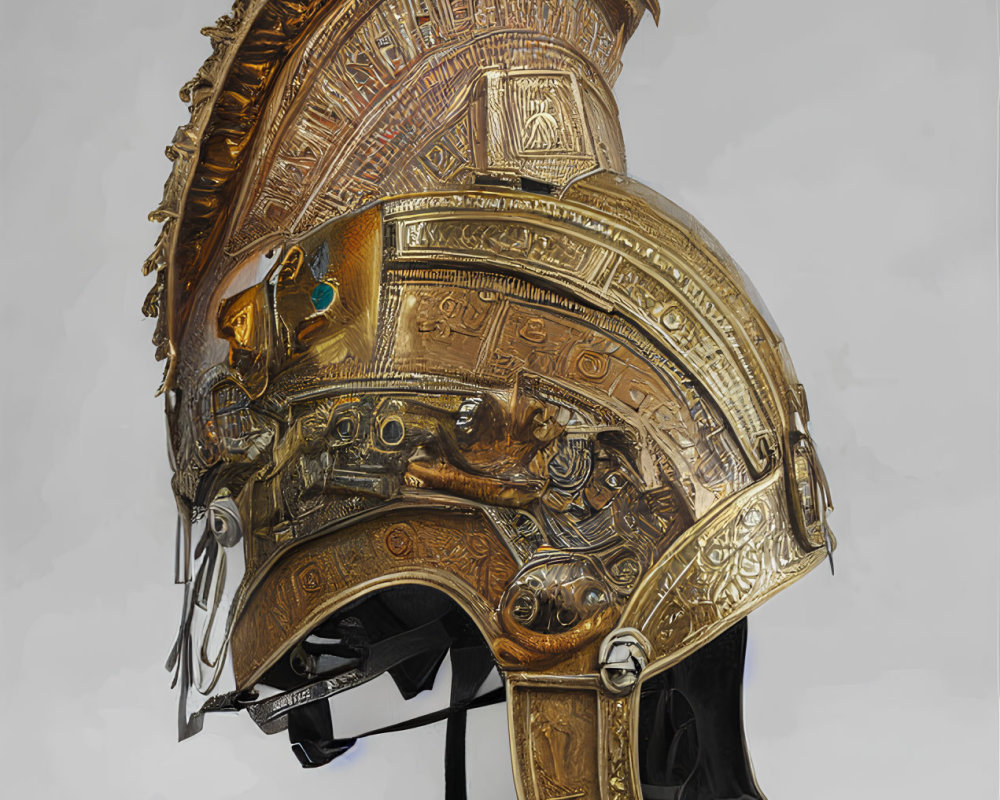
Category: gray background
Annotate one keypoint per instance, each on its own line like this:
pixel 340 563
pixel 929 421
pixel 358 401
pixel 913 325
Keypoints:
pixel 844 153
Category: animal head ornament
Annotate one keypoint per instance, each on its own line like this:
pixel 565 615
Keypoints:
pixel 440 377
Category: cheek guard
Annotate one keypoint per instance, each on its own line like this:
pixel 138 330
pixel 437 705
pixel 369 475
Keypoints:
pixel 441 378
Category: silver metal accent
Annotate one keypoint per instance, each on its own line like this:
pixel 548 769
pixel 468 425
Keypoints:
pixel 224 520
pixel 271 715
pixel 623 656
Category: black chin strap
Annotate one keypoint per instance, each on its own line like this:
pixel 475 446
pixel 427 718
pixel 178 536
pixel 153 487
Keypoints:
pixel 471 663
pixel 310 727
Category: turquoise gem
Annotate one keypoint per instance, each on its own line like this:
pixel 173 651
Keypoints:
pixel 322 296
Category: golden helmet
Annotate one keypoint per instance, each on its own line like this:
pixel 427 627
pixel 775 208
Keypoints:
pixel 441 377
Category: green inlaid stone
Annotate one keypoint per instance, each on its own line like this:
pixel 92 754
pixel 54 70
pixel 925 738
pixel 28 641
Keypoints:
pixel 322 296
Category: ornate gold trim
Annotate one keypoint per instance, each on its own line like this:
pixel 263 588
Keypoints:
pixel 729 562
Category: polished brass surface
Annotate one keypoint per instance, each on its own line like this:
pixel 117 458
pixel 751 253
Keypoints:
pixel 421 329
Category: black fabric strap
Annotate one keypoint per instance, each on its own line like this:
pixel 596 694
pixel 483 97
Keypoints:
pixel 455 785
pixel 335 747
pixel 471 663
pixel 310 730
pixel 490 698
pixel 310 724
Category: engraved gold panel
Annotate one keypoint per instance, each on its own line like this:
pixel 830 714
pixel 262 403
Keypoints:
pixel 496 329
pixel 554 739
pixel 618 735
pixel 723 567
pixel 601 260
pixel 456 551
pixel 535 126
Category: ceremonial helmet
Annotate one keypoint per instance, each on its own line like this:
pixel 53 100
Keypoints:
pixel 441 377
